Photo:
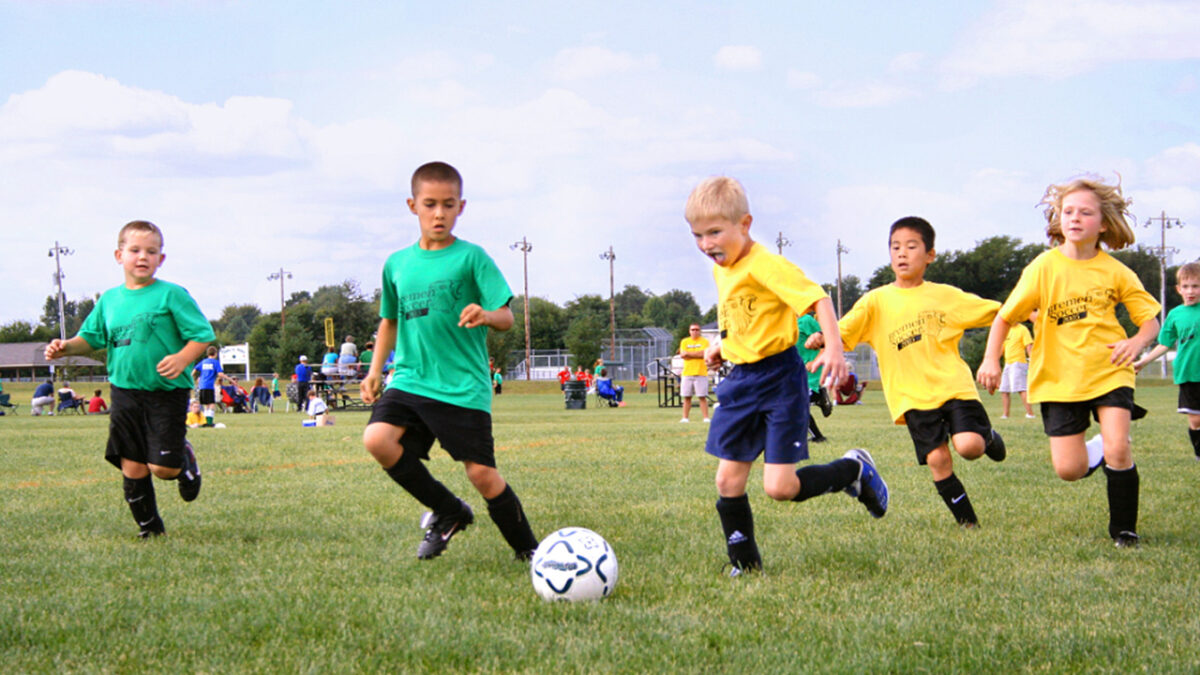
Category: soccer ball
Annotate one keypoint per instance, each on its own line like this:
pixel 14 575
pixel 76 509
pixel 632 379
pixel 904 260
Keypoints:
pixel 574 564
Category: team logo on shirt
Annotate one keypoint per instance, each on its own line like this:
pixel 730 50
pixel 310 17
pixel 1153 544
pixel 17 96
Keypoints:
pixel 440 296
pixel 137 331
pixel 737 313
pixel 928 323
pixel 1098 300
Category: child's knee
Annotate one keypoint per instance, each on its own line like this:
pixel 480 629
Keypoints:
pixel 164 472
pixel 486 479
pixel 969 445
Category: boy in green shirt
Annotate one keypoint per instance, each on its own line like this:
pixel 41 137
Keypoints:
pixel 1182 327
pixel 153 331
pixel 440 295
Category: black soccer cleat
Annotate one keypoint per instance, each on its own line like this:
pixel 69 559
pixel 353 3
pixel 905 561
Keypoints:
pixel 525 556
pixel 995 448
pixel 189 477
pixel 1127 539
pixel 151 529
pixel 441 528
pixel 824 402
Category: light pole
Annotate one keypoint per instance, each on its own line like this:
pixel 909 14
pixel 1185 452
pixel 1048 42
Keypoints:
pixel 525 248
pixel 55 253
pixel 840 250
pixel 1161 252
pixel 612 305
pixel 280 275
pixel 782 241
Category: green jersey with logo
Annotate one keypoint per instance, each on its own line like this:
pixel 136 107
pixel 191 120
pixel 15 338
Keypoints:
pixel 139 327
pixel 424 292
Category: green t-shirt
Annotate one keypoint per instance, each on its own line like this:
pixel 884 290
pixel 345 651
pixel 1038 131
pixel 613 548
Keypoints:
pixel 424 292
pixel 1183 326
pixel 365 357
pixel 498 378
pixel 808 325
pixel 140 327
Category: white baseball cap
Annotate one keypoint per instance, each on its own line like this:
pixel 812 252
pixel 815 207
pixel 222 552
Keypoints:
pixel 303 357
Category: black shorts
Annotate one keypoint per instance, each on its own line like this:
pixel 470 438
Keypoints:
pixel 1067 418
pixel 208 396
pixel 465 433
pixel 1189 398
pixel 147 427
pixel 930 429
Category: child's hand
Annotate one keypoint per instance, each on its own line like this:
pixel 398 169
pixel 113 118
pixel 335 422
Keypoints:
pixel 988 375
pixel 712 355
pixel 472 315
pixel 833 368
pixel 55 349
pixel 1139 364
pixel 171 366
pixel 815 341
pixel 368 389
pixel 1124 352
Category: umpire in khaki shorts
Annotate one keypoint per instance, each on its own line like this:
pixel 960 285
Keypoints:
pixel 694 380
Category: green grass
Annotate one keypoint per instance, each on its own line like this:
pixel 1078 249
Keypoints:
pixel 299 556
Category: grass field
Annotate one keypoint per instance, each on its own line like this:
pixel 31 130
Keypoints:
pixel 299 556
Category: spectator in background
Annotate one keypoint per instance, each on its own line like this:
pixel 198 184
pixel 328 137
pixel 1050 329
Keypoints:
pixel 97 406
pixel 43 396
pixel 303 379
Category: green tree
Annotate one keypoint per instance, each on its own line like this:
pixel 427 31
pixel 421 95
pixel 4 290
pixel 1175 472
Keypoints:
pixel 297 338
pixel 23 331
pixel 584 338
pixel 262 340
pixel 74 314
pixel 852 290
pixel 351 311
pixel 672 310
pixel 235 323
pixel 629 303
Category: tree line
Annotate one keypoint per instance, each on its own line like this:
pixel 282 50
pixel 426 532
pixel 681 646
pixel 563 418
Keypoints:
pixel 581 326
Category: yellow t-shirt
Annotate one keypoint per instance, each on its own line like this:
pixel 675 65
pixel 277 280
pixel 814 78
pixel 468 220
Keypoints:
pixel 760 297
pixel 915 332
pixel 693 367
pixel 1016 342
pixel 194 418
pixel 1078 320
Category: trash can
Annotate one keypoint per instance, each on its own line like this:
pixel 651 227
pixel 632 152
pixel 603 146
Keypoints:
pixel 575 394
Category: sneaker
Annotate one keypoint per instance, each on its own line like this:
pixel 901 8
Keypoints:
pixel 707 420
pixel 684 421
pixel 869 488
pixel 1127 539
pixel 189 478
pixel 1004 417
pixel 736 571
pixel 995 448
pixel 820 439
pixel 441 528
pixel 1030 416
pixel 823 402
pixel 1095 454
pixel 523 556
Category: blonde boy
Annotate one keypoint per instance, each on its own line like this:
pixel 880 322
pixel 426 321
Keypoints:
pixel 153 332
pixel 1182 328
pixel 764 400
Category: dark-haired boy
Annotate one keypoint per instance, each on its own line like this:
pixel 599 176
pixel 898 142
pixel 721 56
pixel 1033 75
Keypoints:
pixel 915 327
pixel 153 331
pixel 764 400
pixel 440 295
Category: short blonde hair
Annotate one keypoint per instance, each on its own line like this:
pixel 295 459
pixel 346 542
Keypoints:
pixel 138 226
pixel 1114 211
pixel 718 196
pixel 1188 271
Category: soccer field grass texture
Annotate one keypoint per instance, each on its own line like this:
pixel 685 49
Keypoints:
pixel 299 555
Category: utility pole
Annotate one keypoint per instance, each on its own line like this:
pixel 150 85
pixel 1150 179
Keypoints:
pixel 840 250
pixel 782 241
pixel 280 275
pixel 58 277
pixel 1161 252
pixel 525 247
pixel 612 305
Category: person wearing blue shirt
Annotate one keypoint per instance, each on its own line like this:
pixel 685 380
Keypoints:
pixel 303 377
pixel 208 373
pixel 43 396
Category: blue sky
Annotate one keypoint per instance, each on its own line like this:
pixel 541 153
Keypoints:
pixel 262 135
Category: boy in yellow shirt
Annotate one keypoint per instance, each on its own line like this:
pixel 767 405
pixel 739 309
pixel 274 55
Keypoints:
pixel 915 327
pixel 764 400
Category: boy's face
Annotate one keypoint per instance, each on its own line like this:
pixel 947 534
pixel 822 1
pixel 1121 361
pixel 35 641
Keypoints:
pixel 1189 290
pixel 723 240
pixel 909 256
pixel 140 256
pixel 437 206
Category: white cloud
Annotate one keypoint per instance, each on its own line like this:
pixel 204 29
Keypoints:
pixel 1179 165
pixel 577 63
pixel 1059 39
pixel 802 79
pixel 738 58
pixel 868 95
pixel 907 62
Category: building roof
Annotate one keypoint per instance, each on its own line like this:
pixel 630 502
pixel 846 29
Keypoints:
pixel 30 355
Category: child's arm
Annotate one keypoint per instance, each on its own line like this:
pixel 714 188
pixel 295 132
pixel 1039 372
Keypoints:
pixel 385 340
pixel 473 315
pixel 172 365
pixel 1125 351
pixel 1149 356
pixel 831 361
pixel 73 347
pixel 988 374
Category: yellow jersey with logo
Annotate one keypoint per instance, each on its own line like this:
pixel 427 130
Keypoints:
pixel 759 298
pixel 693 367
pixel 1016 342
pixel 915 333
pixel 1078 321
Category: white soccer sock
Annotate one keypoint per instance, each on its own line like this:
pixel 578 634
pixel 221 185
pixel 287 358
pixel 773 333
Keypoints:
pixel 1095 451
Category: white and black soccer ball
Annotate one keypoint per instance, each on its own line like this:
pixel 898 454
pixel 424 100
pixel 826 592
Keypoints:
pixel 574 564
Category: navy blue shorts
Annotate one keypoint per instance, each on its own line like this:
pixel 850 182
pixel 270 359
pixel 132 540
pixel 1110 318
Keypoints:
pixel 763 409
